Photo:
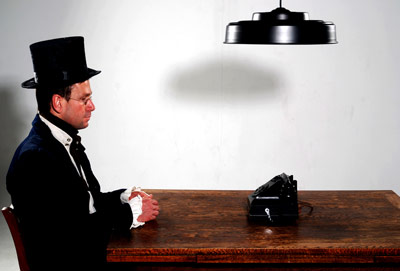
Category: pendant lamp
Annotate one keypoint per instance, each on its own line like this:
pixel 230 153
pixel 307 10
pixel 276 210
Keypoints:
pixel 281 26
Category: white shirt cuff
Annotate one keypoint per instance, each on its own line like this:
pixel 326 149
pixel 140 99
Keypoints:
pixel 136 205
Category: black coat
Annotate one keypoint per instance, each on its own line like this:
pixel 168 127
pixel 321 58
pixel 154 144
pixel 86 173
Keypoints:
pixel 52 203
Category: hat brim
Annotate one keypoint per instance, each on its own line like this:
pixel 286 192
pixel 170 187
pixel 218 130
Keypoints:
pixel 32 84
pixel 29 83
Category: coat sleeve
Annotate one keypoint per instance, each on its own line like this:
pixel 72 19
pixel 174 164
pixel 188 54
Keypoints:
pixel 108 204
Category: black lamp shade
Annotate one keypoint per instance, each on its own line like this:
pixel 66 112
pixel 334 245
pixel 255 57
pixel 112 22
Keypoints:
pixel 281 26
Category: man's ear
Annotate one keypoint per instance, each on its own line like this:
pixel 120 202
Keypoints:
pixel 56 104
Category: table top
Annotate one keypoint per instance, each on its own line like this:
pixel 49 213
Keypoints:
pixel 213 227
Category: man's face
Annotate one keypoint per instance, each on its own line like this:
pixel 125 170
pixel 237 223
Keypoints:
pixel 77 110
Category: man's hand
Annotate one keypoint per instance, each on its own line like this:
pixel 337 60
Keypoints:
pixel 150 208
pixel 135 193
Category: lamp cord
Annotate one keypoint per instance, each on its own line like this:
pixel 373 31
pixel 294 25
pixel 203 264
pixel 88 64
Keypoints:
pixel 280 3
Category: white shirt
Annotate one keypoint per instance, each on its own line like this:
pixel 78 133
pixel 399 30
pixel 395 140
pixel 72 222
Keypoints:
pixel 66 140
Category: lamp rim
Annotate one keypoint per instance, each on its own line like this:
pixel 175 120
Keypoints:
pixel 281 26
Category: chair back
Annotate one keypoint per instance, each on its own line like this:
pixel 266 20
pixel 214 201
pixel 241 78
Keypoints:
pixel 13 225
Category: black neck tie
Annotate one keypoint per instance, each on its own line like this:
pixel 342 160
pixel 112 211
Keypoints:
pixel 76 149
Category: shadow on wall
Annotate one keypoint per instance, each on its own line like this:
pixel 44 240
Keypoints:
pixel 228 82
pixel 11 128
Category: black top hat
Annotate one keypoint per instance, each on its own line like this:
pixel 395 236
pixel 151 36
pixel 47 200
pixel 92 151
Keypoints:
pixel 59 63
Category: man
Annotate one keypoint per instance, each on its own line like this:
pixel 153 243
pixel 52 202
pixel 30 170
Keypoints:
pixel 65 218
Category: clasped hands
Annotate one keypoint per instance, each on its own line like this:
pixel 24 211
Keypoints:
pixel 150 208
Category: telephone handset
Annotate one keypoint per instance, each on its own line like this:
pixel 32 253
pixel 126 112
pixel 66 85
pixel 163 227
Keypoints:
pixel 280 186
pixel 275 202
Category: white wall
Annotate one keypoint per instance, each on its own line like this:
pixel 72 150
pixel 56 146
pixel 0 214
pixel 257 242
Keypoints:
pixel 176 108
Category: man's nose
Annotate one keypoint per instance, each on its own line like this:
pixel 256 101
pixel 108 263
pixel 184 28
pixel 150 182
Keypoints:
pixel 90 105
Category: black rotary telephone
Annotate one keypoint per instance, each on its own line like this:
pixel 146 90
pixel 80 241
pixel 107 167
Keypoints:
pixel 275 202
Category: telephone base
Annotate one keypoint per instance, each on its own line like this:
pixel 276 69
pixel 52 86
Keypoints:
pixel 273 210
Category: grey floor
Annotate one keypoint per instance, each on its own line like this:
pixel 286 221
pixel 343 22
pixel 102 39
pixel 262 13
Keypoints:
pixel 8 256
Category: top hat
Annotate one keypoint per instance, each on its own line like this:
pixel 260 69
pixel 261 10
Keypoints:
pixel 59 63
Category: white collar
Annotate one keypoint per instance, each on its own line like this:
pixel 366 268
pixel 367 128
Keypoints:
pixel 58 133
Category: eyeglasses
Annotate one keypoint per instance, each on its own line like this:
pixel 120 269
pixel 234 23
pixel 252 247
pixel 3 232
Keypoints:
pixel 83 101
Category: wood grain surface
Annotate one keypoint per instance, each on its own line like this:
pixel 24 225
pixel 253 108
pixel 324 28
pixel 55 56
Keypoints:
pixel 211 227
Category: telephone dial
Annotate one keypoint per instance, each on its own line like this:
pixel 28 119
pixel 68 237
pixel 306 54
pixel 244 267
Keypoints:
pixel 275 202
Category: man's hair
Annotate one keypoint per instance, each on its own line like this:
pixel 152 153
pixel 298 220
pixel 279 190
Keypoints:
pixel 44 97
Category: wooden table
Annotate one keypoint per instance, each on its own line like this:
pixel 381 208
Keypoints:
pixel 210 230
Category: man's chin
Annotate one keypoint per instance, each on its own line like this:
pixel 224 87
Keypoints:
pixel 83 125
